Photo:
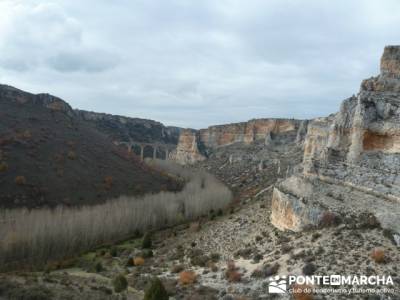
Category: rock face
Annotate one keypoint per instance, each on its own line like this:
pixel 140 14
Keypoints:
pixel 249 132
pixel 245 132
pixel 356 151
pixel 187 151
pixel 11 94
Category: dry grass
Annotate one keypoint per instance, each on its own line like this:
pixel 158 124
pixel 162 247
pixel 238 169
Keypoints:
pixel 187 277
pixel 378 255
pixel 37 236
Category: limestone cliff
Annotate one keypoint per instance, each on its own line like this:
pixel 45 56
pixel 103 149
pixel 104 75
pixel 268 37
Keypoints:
pixel 246 132
pixel 187 151
pixel 256 130
pixel 356 151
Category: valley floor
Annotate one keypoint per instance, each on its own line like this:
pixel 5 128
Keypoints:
pixel 243 238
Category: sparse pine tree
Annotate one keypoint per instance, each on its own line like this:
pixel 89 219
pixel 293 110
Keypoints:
pixel 156 291
pixel 147 243
pixel 120 283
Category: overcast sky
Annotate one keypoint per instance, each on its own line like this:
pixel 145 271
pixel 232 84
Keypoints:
pixel 196 63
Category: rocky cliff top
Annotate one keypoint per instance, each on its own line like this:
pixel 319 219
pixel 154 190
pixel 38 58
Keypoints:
pixel 390 61
pixel 13 94
pixel 119 128
pixel 389 79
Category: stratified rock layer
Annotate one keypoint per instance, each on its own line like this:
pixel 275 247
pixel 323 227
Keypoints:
pixel 213 137
pixel 357 152
pixel 246 132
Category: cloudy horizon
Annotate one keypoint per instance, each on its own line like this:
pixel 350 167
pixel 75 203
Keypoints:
pixel 197 64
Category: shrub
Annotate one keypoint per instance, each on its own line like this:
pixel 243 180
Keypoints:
pixel 231 265
pixel 270 270
pixel 309 269
pixel 156 291
pixel 212 266
pixel 177 268
pixel 378 255
pixel 114 251
pixel 120 283
pixel 130 262
pixel 215 257
pixel 138 189
pixel 71 155
pixel 147 242
pixel 187 277
pixel 232 274
pixel 20 180
pixel 108 182
pixel 195 227
pixel 138 261
pixel 328 219
pixel 199 260
pixel 146 253
pixel 203 183
pixel 99 267
pixel 3 167
pixel 257 273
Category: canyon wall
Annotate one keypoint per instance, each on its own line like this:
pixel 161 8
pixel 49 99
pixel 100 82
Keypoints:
pixel 245 132
pixel 196 144
pixel 356 151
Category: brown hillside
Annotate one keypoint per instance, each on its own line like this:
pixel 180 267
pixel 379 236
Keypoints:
pixel 50 156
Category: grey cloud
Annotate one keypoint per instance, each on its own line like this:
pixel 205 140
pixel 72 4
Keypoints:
pixel 197 63
pixel 40 34
pixel 87 61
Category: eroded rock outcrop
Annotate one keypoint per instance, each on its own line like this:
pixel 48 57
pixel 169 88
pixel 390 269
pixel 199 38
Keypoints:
pixel 12 94
pixel 187 151
pixel 357 152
